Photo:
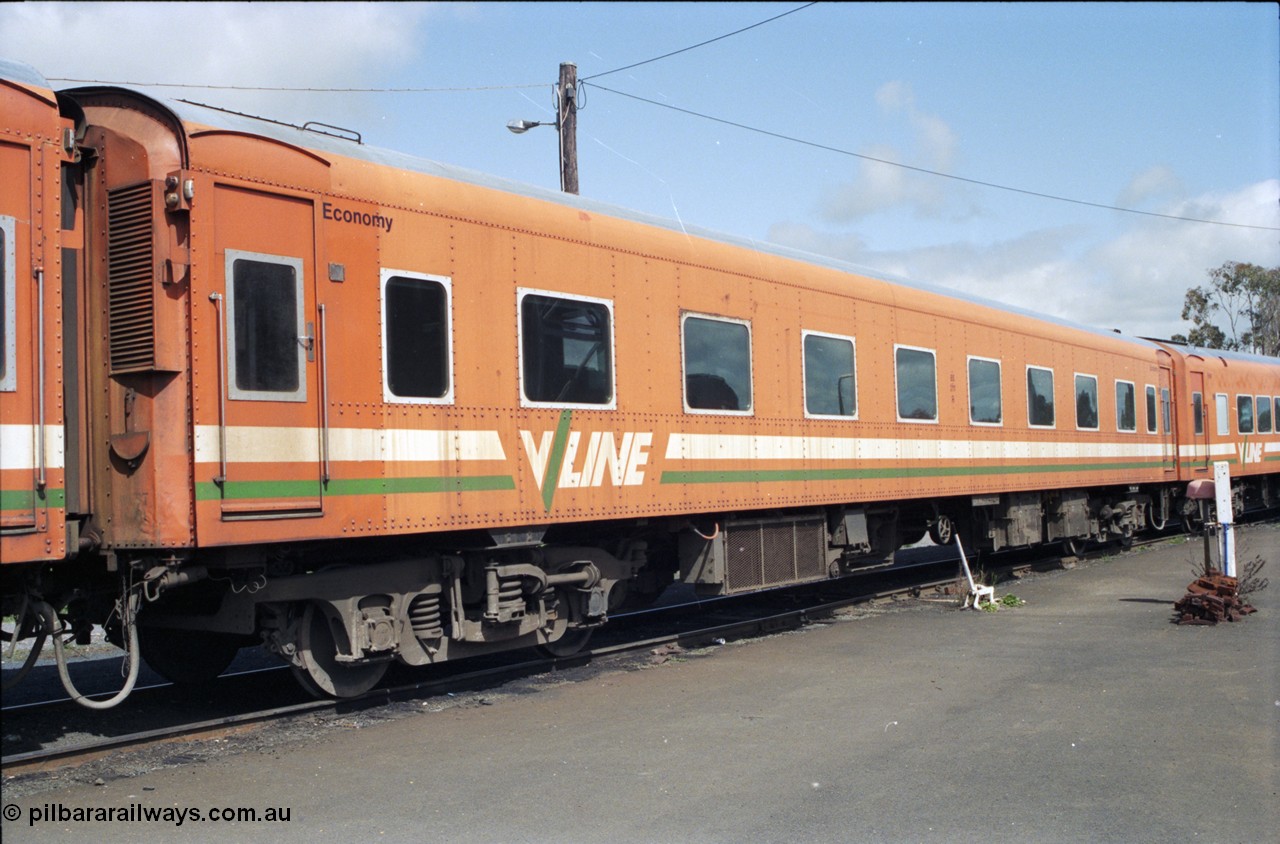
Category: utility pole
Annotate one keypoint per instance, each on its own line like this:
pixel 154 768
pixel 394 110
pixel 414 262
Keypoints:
pixel 566 126
pixel 567 123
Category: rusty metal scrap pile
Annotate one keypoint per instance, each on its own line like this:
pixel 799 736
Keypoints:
pixel 1210 600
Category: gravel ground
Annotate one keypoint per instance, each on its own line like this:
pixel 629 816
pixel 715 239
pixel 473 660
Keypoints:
pixel 1130 640
pixel 279 735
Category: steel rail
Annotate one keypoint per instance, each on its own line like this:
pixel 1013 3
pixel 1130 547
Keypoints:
pixel 39 760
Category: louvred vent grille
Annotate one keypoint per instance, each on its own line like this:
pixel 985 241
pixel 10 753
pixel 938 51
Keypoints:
pixel 131 278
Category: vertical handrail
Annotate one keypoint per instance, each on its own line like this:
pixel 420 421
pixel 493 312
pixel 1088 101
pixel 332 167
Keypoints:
pixel 221 479
pixel 42 480
pixel 324 396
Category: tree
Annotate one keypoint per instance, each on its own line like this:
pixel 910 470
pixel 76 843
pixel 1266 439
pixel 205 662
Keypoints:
pixel 1246 298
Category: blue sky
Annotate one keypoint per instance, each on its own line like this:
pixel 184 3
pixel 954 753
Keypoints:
pixel 1169 108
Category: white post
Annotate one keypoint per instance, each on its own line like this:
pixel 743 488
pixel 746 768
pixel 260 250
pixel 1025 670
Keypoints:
pixel 1222 492
pixel 975 591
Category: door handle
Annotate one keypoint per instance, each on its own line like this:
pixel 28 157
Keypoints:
pixel 308 342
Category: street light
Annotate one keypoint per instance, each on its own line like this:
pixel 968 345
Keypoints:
pixel 519 127
pixel 566 124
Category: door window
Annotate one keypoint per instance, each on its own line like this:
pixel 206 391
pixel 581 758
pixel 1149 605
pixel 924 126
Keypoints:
pixel 265 337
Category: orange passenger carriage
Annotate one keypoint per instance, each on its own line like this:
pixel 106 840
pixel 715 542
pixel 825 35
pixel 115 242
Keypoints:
pixel 1230 412
pixel 36 144
pixel 361 407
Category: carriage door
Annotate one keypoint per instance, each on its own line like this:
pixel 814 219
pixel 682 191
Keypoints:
pixel 1169 441
pixel 270 429
pixel 1199 459
pixel 19 344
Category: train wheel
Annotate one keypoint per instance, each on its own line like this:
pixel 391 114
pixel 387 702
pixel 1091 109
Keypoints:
pixel 569 644
pixel 187 657
pixel 942 530
pixel 1073 546
pixel 321 673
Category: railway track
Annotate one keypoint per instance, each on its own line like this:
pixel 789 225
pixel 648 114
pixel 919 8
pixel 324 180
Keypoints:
pixel 164 714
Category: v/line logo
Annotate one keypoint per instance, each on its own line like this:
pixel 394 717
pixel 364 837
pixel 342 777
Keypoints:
pixel 566 459
pixel 1250 452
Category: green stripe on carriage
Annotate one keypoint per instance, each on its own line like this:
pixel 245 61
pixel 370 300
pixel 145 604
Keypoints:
pixel 27 499
pixel 883 473
pixel 1234 460
pixel 251 490
pixel 551 479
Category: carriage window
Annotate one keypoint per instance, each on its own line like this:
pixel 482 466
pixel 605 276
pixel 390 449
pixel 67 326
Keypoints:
pixel 1244 414
pixel 566 349
pixel 1151 410
pixel 1040 397
pixel 1126 407
pixel 1087 402
pixel 985 406
pixel 416 337
pixel 829 385
pixel 1166 408
pixel 717 364
pixel 266 341
pixel 917 384
pixel 8 308
pixel 1264 414
pixel 70 195
pixel 1197 412
pixel 1221 410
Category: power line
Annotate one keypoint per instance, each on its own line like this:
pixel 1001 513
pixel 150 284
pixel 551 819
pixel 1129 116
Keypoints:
pixel 426 90
pixel 699 44
pixel 300 90
pixel 929 172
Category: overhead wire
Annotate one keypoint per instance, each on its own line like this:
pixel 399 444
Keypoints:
pixel 699 44
pixel 286 89
pixel 582 82
pixel 301 90
pixel 925 170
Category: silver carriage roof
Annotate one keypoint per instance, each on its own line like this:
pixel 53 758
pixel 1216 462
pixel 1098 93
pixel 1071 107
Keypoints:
pixel 22 73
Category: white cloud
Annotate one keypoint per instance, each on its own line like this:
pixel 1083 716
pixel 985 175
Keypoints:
pixel 1031 271
pixel 251 44
pixel 1134 281
pixel 895 96
pixel 879 186
pixel 1154 262
pixel 1153 183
